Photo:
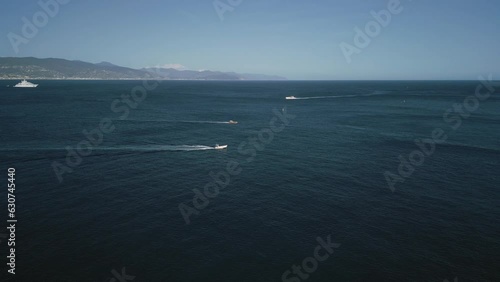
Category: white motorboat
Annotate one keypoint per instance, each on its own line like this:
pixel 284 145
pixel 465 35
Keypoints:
pixel 220 147
pixel 291 98
pixel 232 122
pixel 25 84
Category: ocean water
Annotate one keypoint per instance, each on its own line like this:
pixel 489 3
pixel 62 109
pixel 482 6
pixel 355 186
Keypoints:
pixel 117 208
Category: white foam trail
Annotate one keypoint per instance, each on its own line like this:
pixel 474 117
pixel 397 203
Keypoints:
pixel 202 121
pixel 163 148
pixel 324 97
pixel 340 96
pixel 181 121
pixel 145 148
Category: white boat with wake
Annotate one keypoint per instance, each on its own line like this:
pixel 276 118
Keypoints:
pixel 220 147
pixel 291 98
pixel 232 122
pixel 26 84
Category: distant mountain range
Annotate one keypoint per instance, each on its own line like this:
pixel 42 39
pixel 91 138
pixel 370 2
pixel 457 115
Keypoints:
pixel 34 68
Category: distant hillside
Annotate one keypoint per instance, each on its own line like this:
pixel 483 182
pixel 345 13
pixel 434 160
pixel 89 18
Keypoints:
pixel 63 69
pixel 34 68
pixel 187 74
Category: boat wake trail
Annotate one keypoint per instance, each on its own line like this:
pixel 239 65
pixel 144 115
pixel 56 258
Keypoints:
pixel 145 148
pixel 206 121
pixel 376 93
pixel 179 121
pixel 151 148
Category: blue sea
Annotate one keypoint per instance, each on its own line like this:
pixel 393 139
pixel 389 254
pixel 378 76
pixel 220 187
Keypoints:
pixel 351 181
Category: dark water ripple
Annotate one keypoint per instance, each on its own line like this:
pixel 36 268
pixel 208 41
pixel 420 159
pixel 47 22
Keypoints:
pixel 322 175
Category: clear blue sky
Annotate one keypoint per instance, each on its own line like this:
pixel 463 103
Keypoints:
pixel 299 39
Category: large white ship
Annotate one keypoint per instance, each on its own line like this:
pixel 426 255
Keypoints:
pixel 25 83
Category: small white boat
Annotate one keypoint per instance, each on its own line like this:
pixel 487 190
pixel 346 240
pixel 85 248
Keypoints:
pixel 25 84
pixel 220 147
pixel 291 98
pixel 232 122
